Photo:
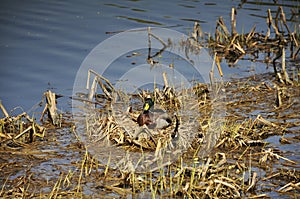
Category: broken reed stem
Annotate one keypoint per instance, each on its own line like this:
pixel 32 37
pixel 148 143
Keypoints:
pixel 266 122
pixel 165 80
pixel 278 97
pixel 253 182
pixel 233 22
pixel 101 77
pixel 269 23
pixel 98 79
pixel 81 171
pixel 93 89
pixel 50 107
pixel 149 43
pixel 197 32
pixel 283 63
pixel 285 74
pixel 223 27
pixel 107 165
pixel 22 133
pixel 219 65
pixel 272 22
pixel 3 186
pixel 3 109
pixel 290 186
pixel 283 19
pixel 211 73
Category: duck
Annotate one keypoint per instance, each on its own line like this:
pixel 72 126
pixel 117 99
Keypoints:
pixel 153 118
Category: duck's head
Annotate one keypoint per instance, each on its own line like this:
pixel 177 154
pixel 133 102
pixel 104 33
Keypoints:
pixel 148 104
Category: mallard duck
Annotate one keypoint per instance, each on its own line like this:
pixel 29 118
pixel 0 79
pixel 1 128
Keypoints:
pixel 153 118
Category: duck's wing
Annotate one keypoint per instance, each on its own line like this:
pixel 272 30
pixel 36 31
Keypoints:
pixel 159 120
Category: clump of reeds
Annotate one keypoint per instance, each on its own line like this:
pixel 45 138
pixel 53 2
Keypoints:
pixel 17 131
pixel 232 46
pixel 21 129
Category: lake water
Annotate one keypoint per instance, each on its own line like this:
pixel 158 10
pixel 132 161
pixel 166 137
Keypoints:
pixel 43 43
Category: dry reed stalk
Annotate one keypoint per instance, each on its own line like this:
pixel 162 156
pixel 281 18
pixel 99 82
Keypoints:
pixel 166 84
pixel 50 108
pixel 283 19
pixel 278 97
pixel 264 121
pixel 290 186
pixel 233 22
pixel 223 27
pixel 229 185
pixel 197 32
pixel 219 65
pixel 285 74
pixel 55 190
pixel 23 132
pixel 274 24
pixel 106 87
pixel 211 72
pixel 3 109
pixel 252 182
pixel 250 35
pixel 78 187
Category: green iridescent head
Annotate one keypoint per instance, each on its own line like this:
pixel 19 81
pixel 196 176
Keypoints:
pixel 148 104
